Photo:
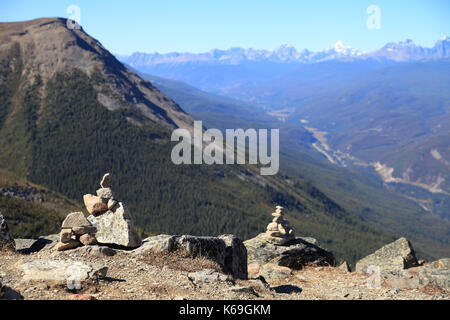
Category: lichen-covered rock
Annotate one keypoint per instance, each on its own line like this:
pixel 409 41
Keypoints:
pixel 209 247
pixel 116 227
pixel 156 244
pixel 227 251
pixel 235 256
pixel 297 254
pixel 395 256
pixel 6 239
pixel 436 273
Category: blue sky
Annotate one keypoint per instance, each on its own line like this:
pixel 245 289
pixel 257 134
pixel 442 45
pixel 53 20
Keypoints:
pixel 198 26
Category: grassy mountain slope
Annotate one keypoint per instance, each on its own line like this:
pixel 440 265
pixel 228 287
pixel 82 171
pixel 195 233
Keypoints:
pixel 32 210
pixel 58 130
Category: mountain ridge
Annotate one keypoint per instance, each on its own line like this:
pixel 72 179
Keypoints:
pixel 397 51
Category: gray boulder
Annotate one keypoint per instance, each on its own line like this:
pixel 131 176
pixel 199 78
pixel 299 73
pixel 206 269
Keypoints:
pixel 272 271
pixel 435 273
pixel 6 239
pixel 212 248
pixel 207 275
pixel 235 256
pixel 61 270
pixel 115 227
pixel 156 244
pixel 395 256
pixel 295 255
pixel 227 251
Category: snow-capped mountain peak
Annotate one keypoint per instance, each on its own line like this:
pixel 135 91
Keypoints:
pixel 405 50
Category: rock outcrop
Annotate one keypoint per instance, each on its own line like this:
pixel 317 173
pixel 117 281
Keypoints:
pixel 296 255
pixel 396 256
pixel 227 251
pixel 6 239
pixel 398 267
pixel 278 247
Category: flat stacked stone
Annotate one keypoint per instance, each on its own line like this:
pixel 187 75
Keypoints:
pixel 76 230
pixel 278 231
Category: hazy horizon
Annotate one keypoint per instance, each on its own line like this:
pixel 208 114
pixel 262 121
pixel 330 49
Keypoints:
pixel 199 26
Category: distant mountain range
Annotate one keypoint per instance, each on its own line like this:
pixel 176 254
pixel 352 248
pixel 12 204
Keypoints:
pixel 400 52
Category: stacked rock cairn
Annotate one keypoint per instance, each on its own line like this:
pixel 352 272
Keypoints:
pixel 278 231
pixel 109 222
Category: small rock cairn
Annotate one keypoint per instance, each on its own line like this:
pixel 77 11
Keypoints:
pixel 278 231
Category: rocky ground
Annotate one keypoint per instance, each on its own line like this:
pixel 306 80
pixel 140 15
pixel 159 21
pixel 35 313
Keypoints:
pixel 175 276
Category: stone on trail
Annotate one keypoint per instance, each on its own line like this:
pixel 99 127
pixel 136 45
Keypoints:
pixel 395 256
pixel 61 270
pixel 115 227
pixel 207 275
pixel 272 271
